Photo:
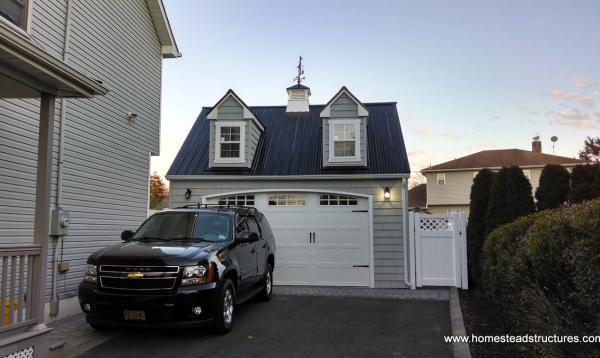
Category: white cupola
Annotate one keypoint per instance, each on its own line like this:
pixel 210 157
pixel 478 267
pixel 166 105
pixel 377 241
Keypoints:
pixel 298 98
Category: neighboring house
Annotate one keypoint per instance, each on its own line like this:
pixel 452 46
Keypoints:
pixel 320 174
pixel 449 183
pixel 417 199
pixel 87 160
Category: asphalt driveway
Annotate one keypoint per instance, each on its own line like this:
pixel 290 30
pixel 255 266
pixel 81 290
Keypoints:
pixel 302 326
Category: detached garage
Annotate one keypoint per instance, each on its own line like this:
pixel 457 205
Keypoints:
pixel 331 179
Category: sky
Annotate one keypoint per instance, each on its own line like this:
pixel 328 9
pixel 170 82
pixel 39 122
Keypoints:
pixel 466 75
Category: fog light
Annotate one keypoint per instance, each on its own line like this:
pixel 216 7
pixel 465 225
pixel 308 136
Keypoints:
pixel 87 307
pixel 197 310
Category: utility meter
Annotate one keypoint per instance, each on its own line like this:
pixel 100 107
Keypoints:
pixel 59 222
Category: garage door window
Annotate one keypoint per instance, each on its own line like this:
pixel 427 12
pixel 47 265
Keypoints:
pixel 242 200
pixel 287 200
pixel 337 200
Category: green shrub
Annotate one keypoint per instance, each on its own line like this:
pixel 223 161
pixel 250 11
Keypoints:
pixel 480 197
pixel 510 198
pixel 553 190
pixel 585 183
pixel 543 271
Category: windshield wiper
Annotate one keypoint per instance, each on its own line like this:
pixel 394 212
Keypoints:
pixel 148 238
pixel 189 239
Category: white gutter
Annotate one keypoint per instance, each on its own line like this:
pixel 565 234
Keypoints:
pixel 407 281
pixel 54 302
pixel 287 177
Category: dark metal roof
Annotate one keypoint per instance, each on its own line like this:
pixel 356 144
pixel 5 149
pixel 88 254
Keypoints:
pixel 291 145
pixel 297 86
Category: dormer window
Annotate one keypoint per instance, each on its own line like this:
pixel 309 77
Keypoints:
pixel 230 142
pixel 344 140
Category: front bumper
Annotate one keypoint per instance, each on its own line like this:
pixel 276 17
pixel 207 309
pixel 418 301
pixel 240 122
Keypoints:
pixel 167 309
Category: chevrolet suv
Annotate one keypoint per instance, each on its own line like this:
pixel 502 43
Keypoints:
pixel 182 267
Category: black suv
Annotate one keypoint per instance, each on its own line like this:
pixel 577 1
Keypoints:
pixel 182 267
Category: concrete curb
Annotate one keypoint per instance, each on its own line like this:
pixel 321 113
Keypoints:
pixel 459 350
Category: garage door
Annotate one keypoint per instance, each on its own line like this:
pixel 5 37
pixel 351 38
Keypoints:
pixel 321 239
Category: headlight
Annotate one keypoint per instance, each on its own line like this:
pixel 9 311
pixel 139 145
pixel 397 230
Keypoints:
pixel 193 275
pixel 91 273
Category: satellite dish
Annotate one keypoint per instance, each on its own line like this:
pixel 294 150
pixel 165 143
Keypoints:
pixel 554 138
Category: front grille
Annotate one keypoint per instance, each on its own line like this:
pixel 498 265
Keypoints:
pixel 138 278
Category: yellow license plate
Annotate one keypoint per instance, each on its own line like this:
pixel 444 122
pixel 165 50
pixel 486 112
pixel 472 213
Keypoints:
pixel 134 315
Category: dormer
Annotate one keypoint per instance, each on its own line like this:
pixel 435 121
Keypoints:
pixel 234 133
pixel 344 120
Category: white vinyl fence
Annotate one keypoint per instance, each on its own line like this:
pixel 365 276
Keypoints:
pixel 438 248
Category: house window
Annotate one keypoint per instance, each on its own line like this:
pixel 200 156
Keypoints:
pixel 339 200
pixel 527 174
pixel 230 141
pixel 441 179
pixel 237 200
pixel 15 11
pixel 344 140
pixel 454 211
pixel 287 200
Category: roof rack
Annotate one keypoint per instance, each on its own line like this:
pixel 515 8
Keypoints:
pixel 218 206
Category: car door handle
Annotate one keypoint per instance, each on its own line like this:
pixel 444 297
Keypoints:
pixel 253 250
pixel 360 265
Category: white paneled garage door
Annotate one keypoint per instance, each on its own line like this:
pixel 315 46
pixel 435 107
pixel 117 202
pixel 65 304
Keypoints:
pixel 321 239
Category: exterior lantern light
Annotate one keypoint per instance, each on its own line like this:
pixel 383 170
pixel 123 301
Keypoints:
pixel 386 193
pixel 188 193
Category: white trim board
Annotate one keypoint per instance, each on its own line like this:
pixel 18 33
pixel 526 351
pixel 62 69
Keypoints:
pixel 316 191
pixel 289 177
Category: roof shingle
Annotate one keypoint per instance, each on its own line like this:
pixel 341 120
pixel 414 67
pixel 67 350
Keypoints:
pixel 501 158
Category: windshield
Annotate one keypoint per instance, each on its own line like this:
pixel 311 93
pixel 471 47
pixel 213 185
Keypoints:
pixel 194 226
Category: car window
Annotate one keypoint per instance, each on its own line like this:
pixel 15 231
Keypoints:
pixel 253 226
pixel 185 226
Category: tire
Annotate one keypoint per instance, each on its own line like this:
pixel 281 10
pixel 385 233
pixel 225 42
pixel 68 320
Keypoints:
pixel 267 283
pixel 224 308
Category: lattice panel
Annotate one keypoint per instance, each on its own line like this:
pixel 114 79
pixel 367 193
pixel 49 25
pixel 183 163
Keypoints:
pixel 436 224
pixel 24 353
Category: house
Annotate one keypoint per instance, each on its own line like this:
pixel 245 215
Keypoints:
pixel 417 199
pixel 449 183
pixel 331 179
pixel 80 86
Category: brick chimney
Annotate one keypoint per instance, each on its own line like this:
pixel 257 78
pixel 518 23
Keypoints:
pixel 536 145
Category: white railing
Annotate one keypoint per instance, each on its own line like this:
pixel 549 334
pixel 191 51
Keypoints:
pixel 17 263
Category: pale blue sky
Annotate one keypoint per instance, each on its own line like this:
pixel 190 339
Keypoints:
pixel 467 75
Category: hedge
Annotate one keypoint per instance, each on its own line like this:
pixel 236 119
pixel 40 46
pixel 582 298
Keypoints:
pixel 553 190
pixel 543 272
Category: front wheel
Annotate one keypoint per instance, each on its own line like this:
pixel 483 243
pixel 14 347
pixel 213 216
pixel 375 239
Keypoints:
pixel 225 308
pixel 267 283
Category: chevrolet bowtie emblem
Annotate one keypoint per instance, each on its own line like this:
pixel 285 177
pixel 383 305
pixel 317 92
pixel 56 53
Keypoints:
pixel 135 275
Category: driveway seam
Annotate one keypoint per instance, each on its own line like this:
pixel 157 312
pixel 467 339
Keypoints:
pixel 459 350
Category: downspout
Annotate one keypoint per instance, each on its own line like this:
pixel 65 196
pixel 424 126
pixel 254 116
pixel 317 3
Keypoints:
pixel 54 302
pixel 407 281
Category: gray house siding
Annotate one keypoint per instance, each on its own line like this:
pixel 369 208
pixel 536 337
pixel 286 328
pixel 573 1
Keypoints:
pixel 230 109
pixel 106 157
pixel 387 214
pixel 345 107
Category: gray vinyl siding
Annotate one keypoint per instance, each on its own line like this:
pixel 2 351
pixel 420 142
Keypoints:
pixel 106 158
pixel 230 109
pixel 387 214
pixel 344 107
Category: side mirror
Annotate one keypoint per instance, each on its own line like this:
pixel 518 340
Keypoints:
pixel 127 235
pixel 247 236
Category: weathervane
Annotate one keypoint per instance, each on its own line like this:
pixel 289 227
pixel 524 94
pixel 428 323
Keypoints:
pixel 300 68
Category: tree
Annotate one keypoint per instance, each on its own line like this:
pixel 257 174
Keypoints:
pixel 158 191
pixel 480 197
pixel 510 198
pixel 553 190
pixel 591 150
pixel 585 183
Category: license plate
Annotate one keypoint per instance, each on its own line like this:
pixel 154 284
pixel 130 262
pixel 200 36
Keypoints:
pixel 134 315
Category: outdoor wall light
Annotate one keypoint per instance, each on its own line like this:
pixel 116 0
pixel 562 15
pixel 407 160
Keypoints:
pixel 188 193
pixel 386 193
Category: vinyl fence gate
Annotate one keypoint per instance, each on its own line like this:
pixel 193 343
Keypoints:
pixel 438 249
